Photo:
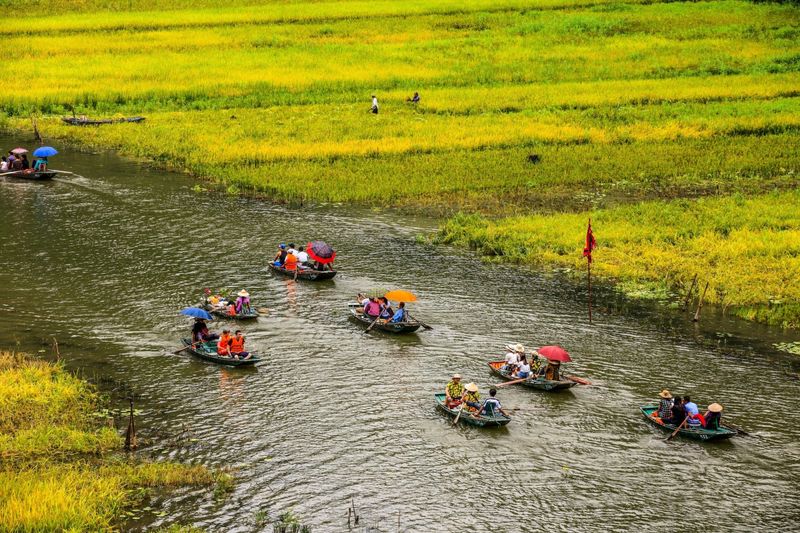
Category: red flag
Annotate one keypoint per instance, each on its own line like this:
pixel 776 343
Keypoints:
pixel 591 243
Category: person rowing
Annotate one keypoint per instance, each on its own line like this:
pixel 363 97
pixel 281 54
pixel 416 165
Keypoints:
pixel 713 416
pixel 471 398
pixel 200 332
pixel 243 302
pixel 491 405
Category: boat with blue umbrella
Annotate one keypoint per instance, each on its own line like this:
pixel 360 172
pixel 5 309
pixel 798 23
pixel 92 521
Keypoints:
pixel 39 171
pixel 207 350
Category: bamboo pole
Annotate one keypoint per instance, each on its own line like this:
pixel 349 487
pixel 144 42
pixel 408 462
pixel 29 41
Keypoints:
pixel 689 294
pixel 700 305
pixel 130 433
pixel 589 279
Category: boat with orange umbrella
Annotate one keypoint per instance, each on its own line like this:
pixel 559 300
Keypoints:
pixel 408 325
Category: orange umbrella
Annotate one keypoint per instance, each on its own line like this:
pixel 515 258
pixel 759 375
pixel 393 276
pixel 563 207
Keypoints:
pixel 400 296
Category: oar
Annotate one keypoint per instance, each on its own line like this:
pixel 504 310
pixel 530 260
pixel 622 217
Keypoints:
pixel 373 323
pixel 188 346
pixel 739 430
pixel 460 410
pixel 421 323
pixel 503 384
pixel 677 430
pixel 581 381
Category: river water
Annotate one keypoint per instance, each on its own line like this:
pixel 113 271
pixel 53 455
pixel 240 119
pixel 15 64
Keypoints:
pixel 104 261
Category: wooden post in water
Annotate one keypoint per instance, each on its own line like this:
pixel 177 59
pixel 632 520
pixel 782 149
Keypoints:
pixel 130 433
pixel 689 294
pixel 700 305
pixel 36 130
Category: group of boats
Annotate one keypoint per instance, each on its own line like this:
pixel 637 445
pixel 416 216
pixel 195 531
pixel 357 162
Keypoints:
pixel 539 381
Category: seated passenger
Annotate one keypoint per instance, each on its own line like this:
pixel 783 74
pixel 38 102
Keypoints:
pixel 231 308
pixel 471 398
pixel 694 418
pixel 302 257
pixel 386 309
pixel 713 416
pixel 677 414
pixel 224 344
pixel 665 405
pixel 491 406
pixel 290 262
pixel 237 346
pixel 453 391
pixel 372 309
pixel 280 257
pixel 523 368
pixel 512 357
pixel 400 315
pixel 40 165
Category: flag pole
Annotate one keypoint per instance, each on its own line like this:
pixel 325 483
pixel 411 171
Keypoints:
pixel 589 279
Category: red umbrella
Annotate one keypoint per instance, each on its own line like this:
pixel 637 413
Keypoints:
pixel 321 251
pixel 554 353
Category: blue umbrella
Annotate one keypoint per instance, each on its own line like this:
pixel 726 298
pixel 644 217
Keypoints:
pixel 197 313
pixel 45 151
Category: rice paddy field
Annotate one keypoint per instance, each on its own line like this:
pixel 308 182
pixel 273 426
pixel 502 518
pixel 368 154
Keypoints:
pixel 667 122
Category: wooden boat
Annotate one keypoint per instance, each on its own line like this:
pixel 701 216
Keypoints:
pixel 408 326
pixel 76 121
pixel 307 274
pixel 539 383
pixel 208 352
pixel 479 421
pixel 702 434
pixel 30 174
pixel 223 313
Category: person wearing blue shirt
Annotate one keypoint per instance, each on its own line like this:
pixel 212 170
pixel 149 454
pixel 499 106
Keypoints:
pixel 694 418
pixel 400 314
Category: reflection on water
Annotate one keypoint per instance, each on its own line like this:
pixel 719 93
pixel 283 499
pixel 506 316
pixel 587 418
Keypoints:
pixel 104 262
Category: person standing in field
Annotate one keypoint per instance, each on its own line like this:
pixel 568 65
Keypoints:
pixel 374 104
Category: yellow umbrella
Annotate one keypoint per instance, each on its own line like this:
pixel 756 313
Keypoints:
pixel 400 296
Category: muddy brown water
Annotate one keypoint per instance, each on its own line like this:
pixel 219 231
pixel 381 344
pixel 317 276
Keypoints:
pixel 103 262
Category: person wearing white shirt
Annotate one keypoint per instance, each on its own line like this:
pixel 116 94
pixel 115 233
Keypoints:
pixel 374 104
pixel 302 256
pixel 292 249
pixel 523 369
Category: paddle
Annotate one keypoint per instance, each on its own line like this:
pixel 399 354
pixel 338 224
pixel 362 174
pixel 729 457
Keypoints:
pixel 421 323
pixel 677 430
pixel 580 381
pixel 373 323
pixel 511 382
pixel 187 347
pixel 460 410
pixel 739 430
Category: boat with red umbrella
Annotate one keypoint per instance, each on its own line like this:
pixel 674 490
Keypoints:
pixel 548 378
pixel 322 254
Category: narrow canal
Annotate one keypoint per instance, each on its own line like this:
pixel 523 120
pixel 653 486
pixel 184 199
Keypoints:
pixel 104 261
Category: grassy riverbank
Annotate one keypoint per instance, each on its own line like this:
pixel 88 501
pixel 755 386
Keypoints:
pixel 58 466
pixel 622 102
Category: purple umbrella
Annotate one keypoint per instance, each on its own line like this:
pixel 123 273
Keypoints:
pixel 321 251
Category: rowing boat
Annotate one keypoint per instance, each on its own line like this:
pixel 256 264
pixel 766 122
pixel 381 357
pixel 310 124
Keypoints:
pixel 308 274
pixel 208 352
pixel 75 121
pixel 222 312
pixel 701 434
pixel 539 383
pixel 409 326
pixel 468 418
pixel 30 174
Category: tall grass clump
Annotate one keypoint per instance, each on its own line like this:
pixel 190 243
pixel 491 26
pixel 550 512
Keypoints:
pixel 58 470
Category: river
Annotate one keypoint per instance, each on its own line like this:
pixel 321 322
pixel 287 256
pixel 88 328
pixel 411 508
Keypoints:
pixel 104 261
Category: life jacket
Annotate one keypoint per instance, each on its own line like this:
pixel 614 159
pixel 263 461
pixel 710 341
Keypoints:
pixel 232 309
pixel 222 345
pixel 237 345
pixel 291 262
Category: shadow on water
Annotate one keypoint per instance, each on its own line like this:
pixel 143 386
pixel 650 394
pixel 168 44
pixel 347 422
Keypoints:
pixel 103 262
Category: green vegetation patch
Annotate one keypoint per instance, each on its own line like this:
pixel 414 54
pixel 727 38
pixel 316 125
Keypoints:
pixel 57 467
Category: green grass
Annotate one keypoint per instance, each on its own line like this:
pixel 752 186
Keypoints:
pixel 57 467
pixel 624 102
pixel 747 249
